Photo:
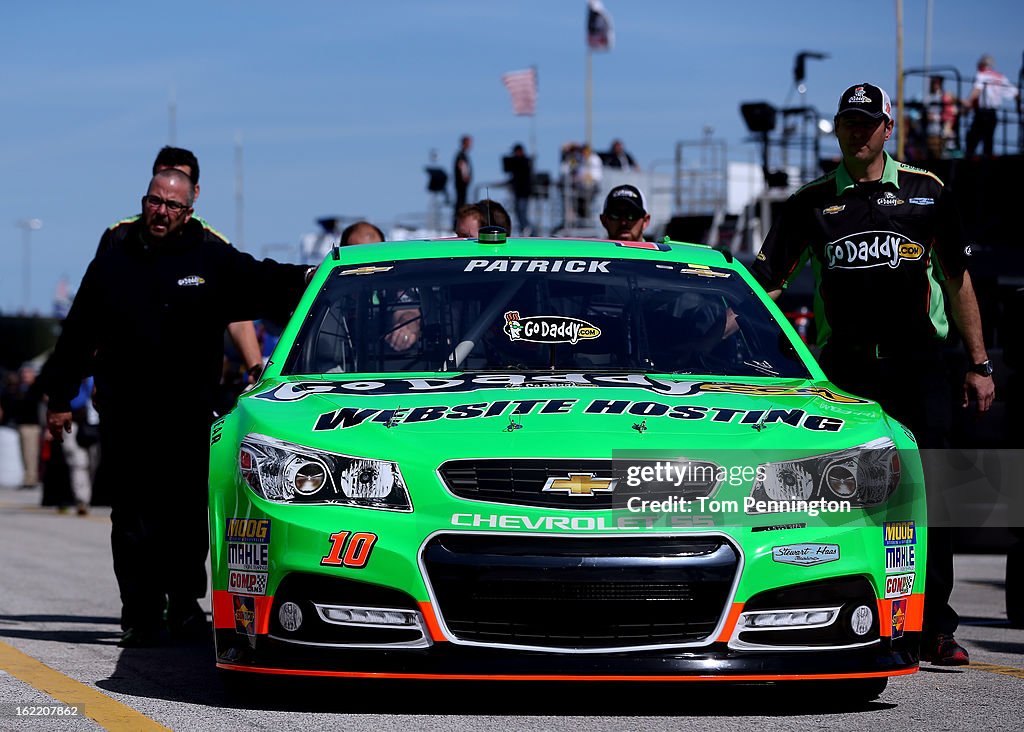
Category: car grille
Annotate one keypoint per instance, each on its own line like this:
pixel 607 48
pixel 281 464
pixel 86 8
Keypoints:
pixel 523 482
pixel 580 593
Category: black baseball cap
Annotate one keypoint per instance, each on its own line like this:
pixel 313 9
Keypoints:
pixel 866 99
pixel 625 198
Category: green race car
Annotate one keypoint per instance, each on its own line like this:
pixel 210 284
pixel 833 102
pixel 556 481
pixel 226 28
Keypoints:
pixel 530 458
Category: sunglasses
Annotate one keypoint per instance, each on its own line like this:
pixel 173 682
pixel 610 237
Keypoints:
pixel 624 216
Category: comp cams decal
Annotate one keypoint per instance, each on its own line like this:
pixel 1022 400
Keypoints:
pixel 548 328
pixel 899 585
pixel 346 417
pixel 294 391
pixel 247 583
pixel 871 249
pixel 805 555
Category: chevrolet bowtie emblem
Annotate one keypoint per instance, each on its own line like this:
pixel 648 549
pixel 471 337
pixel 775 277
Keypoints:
pixel 580 484
pixel 366 270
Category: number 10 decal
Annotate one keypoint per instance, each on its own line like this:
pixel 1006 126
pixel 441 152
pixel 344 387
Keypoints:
pixel 349 552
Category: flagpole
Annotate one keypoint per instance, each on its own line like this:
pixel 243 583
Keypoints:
pixel 901 136
pixel 589 94
pixel 533 117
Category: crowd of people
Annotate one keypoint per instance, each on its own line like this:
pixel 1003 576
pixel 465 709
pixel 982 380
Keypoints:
pixel 164 277
pixel 934 126
pixel 580 174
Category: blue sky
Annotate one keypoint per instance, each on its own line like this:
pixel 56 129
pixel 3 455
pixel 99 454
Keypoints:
pixel 338 104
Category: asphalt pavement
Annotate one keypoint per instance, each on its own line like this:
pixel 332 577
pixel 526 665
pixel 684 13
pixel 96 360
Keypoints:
pixel 59 629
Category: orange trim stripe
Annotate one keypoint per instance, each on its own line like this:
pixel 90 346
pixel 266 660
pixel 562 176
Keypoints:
pixel 730 622
pixel 223 612
pixel 914 620
pixel 560 677
pixel 432 625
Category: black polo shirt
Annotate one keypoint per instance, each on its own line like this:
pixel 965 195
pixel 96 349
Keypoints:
pixel 879 251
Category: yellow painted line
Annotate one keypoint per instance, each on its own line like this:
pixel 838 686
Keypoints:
pixel 109 713
pixel 1017 673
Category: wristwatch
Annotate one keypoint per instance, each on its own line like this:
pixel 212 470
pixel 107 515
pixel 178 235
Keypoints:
pixel 983 369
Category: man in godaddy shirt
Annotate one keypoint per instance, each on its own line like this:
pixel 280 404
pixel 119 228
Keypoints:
pixel 887 249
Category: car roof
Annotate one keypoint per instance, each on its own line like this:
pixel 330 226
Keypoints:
pixel 665 250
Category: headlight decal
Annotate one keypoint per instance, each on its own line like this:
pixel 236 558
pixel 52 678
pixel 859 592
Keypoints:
pixel 865 476
pixel 284 472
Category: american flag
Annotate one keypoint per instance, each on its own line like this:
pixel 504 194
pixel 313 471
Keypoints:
pixel 600 34
pixel 522 86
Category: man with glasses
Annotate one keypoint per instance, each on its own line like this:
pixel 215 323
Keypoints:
pixel 625 214
pixel 888 246
pixel 152 308
pixel 243 333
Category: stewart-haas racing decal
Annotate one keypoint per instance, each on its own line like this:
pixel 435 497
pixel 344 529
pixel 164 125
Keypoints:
pixel 294 391
pixel 548 328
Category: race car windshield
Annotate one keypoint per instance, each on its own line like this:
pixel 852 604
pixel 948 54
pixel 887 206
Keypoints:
pixel 445 315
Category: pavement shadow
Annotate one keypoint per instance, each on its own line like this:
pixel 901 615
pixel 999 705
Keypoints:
pixel 13 626
pixel 1000 646
pixel 187 674
pixel 987 622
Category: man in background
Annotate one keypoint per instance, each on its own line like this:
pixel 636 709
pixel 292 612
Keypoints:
pixel 990 89
pixel 520 170
pixel 625 216
pixel 485 212
pixel 361 232
pixel 462 173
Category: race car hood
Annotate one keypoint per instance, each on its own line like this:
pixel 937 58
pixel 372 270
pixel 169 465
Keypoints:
pixel 583 415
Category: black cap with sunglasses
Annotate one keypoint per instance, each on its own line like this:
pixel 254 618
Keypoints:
pixel 625 201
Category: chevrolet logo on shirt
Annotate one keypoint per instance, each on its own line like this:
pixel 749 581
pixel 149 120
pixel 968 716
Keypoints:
pixel 580 484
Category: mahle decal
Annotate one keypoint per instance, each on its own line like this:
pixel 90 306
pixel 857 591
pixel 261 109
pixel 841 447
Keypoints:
pixel 548 328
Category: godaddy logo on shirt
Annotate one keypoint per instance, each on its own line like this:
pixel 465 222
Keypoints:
pixel 192 281
pixel 871 249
